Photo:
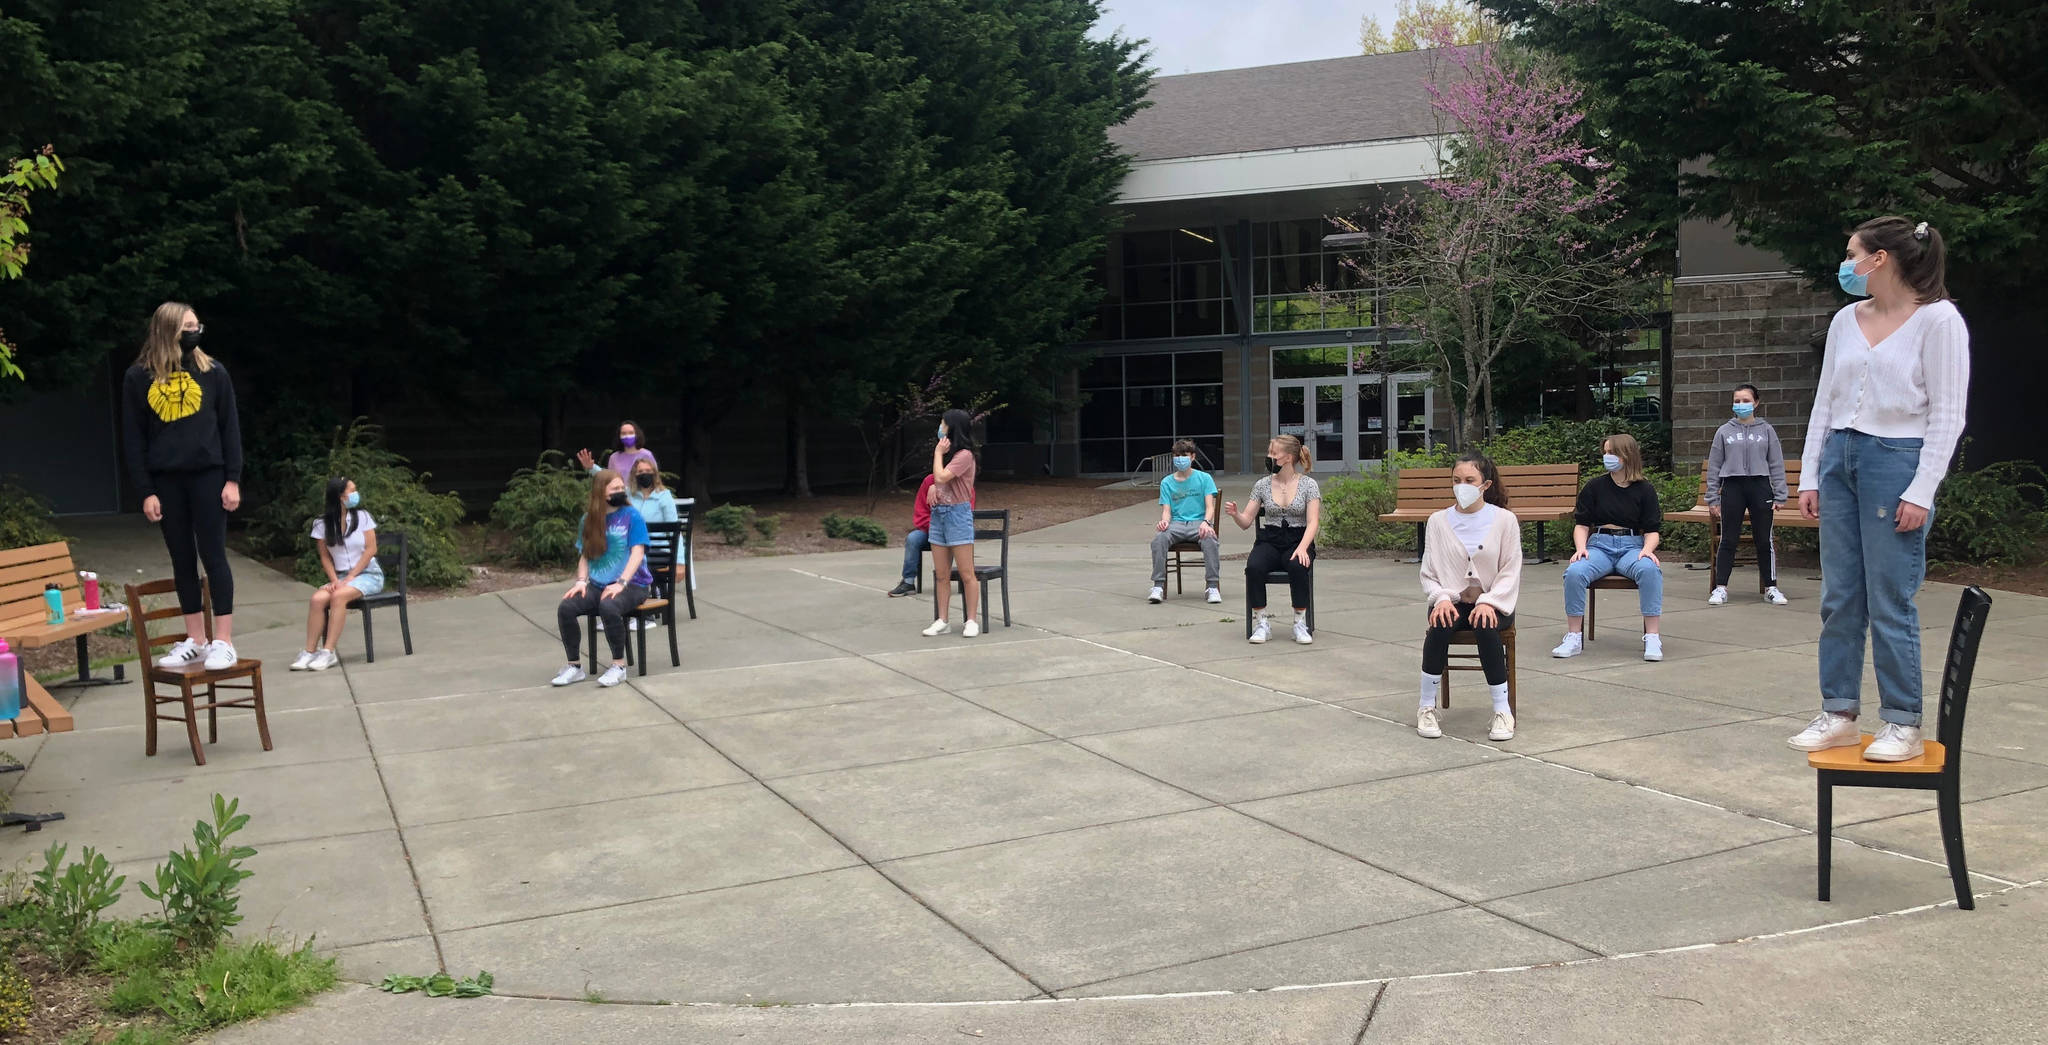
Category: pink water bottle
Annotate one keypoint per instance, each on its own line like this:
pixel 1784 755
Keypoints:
pixel 90 584
pixel 10 684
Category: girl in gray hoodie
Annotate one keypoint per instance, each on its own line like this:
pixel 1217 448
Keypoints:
pixel 1745 473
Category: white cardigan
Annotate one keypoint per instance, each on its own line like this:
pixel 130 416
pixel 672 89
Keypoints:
pixel 1914 385
pixel 1496 567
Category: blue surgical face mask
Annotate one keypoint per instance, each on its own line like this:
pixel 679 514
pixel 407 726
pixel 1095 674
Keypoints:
pixel 1610 462
pixel 942 429
pixel 1743 410
pixel 355 497
pixel 1182 464
pixel 1853 284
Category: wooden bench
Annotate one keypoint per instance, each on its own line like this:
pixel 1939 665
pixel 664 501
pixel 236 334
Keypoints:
pixel 40 713
pixel 1786 516
pixel 1538 493
pixel 24 573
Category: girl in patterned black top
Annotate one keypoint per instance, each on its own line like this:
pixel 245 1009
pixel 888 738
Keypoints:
pixel 1292 507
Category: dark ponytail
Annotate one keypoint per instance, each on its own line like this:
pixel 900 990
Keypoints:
pixel 1496 494
pixel 1918 250
pixel 331 515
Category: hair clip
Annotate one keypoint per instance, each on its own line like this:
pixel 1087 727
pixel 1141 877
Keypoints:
pixel 1920 231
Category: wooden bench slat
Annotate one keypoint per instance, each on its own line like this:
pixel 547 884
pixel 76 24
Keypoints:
pixel 56 718
pixel 36 553
pixel 29 571
pixel 38 634
pixel 24 591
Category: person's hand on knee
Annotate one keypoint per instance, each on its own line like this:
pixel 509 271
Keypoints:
pixel 1485 616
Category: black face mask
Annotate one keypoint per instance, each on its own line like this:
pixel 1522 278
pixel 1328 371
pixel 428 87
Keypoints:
pixel 188 339
pixel 644 481
pixel 617 500
pixel 1272 466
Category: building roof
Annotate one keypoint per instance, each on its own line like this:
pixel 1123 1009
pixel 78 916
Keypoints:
pixel 1334 101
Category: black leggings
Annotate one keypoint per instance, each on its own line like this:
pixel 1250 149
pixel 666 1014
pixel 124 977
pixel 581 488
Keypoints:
pixel 1275 551
pixel 612 612
pixel 196 530
pixel 1493 653
pixel 1751 493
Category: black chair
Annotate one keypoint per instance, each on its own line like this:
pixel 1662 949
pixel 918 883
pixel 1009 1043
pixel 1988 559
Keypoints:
pixel 1281 578
pixel 982 572
pixel 684 580
pixel 1938 769
pixel 392 557
pixel 664 543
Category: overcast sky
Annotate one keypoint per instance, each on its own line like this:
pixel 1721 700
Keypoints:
pixel 1193 36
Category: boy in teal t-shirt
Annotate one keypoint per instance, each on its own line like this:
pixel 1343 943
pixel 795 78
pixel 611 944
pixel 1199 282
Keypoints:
pixel 1187 502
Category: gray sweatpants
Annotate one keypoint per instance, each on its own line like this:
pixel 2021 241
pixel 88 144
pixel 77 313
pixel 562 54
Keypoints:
pixel 1176 532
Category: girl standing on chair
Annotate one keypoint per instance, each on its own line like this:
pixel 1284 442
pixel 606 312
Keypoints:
pixel 1619 525
pixel 1745 473
pixel 1292 504
pixel 183 447
pixel 1886 418
pixel 952 533
pixel 1471 574
pixel 346 536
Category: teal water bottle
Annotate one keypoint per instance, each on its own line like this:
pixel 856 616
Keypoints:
pixel 10 684
pixel 54 597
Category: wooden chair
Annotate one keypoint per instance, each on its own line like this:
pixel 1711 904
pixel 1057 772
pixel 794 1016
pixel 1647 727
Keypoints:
pixel 1785 517
pixel 1938 769
pixel 1611 582
pixel 1175 551
pixel 664 543
pixel 394 558
pixel 1470 662
pixel 190 678
pixel 1538 493
pixel 1281 578
pixel 983 573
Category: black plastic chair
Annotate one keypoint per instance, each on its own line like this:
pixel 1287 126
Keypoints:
pixel 983 573
pixel 1281 578
pixel 686 528
pixel 664 543
pixel 393 558
pixel 1938 769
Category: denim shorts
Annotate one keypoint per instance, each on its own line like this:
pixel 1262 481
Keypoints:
pixel 952 524
pixel 370 581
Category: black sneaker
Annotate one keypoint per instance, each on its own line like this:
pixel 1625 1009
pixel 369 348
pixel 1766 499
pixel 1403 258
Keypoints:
pixel 901 589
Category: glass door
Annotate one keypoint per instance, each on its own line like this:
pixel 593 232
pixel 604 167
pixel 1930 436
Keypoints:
pixel 1372 420
pixel 1412 396
pixel 1322 413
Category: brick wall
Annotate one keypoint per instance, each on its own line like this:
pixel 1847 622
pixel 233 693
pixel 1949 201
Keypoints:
pixel 1727 332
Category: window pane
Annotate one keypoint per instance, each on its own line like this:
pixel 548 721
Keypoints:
pixel 1152 369
pixel 1293 274
pixel 1212 453
pixel 1197 318
pixel 1103 372
pixel 1198 281
pixel 1148 412
pixel 1147 248
pixel 1148 321
pixel 1304 236
pixel 1310 362
pixel 1109 323
pixel 1102 416
pixel 1149 283
pixel 1102 455
pixel 1196 243
pixel 1199 410
pixel 1197 367
pixel 1292 409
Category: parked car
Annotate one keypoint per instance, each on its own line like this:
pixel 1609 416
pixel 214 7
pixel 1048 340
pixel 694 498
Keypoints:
pixel 1643 410
pixel 1640 377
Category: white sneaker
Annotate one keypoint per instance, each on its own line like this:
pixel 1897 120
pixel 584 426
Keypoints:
pixel 1503 726
pixel 220 656
pixel 1775 597
pixel 1301 634
pixel 972 629
pixel 612 676
pixel 182 654
pixel 1719 596
pixel 1828 729
pixel 323 660
pixel 1894 743
pixel 1157 595
pixel 1262 628
pixel 1574 644
pixel 1426 724
pixel 938 627
pixel 1213 597
pixel 633 624
pixel 305 660
pixel 1653 647
pixel 567 675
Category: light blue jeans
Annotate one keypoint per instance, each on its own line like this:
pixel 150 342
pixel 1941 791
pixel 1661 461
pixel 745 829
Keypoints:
pixel 1612 553
pixel 1873 571
pixel 914 545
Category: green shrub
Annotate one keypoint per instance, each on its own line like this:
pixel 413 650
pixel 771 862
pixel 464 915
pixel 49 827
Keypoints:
pixel 1352 505
pixel 734 522
pixel 16 1002
pixel 1559 441
pixel 25 519
pixel 235 981
pixel 855 528
pixel 69 903
pixel 1991 515
pixel 199 886
pixel 541 507
pixel 392 492
pixel 768 526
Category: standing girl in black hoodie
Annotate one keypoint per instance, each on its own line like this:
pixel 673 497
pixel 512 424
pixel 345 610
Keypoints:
pixel 184 453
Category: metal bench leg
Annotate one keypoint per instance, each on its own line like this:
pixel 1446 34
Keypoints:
pixel 85 675
pixel 1421 535
pixel 1824 832
pixel 1542 546
pixel 369 638
pixel 28 821
pixel 405 623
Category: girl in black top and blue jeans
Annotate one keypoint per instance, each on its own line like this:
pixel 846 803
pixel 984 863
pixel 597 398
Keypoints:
pixel 183 445
pixel 1619 521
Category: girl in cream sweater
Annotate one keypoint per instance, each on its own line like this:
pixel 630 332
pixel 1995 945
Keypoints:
pixel 1471 572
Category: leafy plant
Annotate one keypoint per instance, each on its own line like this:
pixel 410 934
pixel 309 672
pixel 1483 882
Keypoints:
pixel 440 985
pixel 228 983
pixel 38 171
pixel 25 519
pixel 69 903
pixel 768 526
pixel 734 522
pixel 541 507
pixel 1992 515
pixel 1352 505
pixel 855 528
pixel 198 886
pixel 392 492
